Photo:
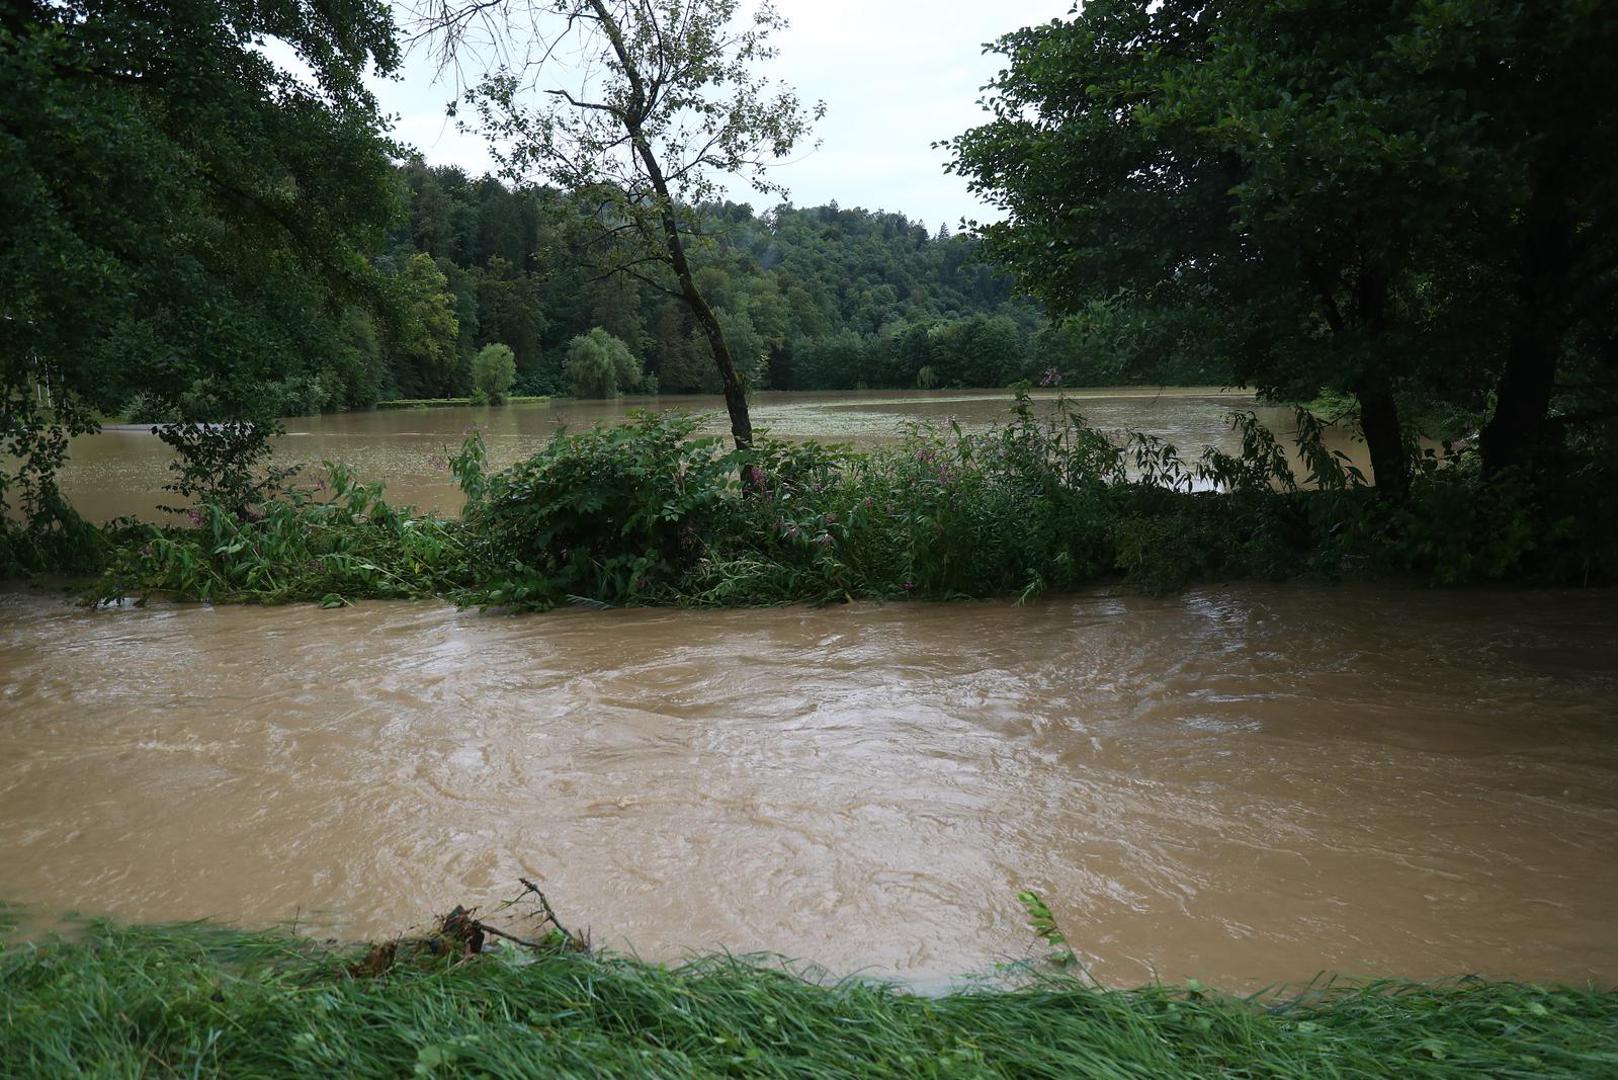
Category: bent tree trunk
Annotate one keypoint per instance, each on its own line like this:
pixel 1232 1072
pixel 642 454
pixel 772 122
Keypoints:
pixel 741 423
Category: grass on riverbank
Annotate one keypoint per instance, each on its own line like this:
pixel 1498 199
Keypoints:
pixel 203 1001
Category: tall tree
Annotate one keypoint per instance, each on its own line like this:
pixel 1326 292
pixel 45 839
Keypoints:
pixel 668 99
pixel 182 216
pixel 1529 99
pixel 1119 189
pixel 1445 169
pixel 1396 198
pixel 423 331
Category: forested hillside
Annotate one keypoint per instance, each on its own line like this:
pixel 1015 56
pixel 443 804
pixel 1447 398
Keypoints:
pixel 810 298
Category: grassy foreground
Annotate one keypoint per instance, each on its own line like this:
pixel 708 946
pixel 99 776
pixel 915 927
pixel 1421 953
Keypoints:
pixel 205 1001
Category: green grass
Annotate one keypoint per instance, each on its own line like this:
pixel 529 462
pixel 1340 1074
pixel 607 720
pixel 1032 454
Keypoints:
pixel 204 1001
pixel 443 403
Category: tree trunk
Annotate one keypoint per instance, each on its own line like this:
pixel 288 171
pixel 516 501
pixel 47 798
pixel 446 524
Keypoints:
pixel 1379 412
pixel 741 423
pixel 1517 430
pixel 1384 437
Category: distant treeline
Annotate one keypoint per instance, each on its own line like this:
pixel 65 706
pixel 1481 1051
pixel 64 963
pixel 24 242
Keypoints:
pixel 811 298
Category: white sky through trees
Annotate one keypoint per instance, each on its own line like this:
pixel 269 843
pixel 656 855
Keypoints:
pixel 896 76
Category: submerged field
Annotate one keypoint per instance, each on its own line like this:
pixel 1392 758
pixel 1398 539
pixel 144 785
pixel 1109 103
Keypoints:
pixel 200 1001
pixel 122 470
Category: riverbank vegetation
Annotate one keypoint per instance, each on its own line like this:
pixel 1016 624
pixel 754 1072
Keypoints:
pixel 205 1001
pixel 648 512
pixel 1407 212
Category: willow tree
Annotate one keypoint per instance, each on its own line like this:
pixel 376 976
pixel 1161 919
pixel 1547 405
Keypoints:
pixel 644 107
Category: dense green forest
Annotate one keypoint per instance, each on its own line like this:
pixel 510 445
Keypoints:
pixel 810 298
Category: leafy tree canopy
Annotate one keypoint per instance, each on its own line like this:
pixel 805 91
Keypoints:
pixel 1407 201
pixel 600 365
pixel 176 204
pixel 494 369
pixel 675 98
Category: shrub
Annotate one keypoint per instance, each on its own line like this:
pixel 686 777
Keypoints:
pixel 647 512
pixel 225 465
pixel 494 369
pixel 599 365
pixel 146 408
pixel 613 514
pixel 335 542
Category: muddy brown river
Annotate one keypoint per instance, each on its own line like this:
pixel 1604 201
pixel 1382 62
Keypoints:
pixel 122 470
pixel 1244 784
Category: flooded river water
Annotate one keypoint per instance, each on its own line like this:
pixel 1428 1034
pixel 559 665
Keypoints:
pixel 1243 784
pixel 122 470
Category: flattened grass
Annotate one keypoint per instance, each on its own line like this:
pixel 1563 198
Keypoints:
pixel 203 1001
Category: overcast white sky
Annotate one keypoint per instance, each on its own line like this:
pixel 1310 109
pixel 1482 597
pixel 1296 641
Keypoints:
pixel 896 76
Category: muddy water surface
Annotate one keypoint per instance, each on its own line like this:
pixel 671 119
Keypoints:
pixel 122 470
pixel 1246 785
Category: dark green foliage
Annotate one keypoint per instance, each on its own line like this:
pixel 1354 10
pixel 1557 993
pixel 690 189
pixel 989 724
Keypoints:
pixel 183 217
pixel 185 222
pixel 1407 202
pixel 39 531
pixel 615 515
pixel 331 544
pixel 225 465
pixel 644 513
pixel 423 332
pixel 58 541
pixel 784 284
pixel 201 1001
